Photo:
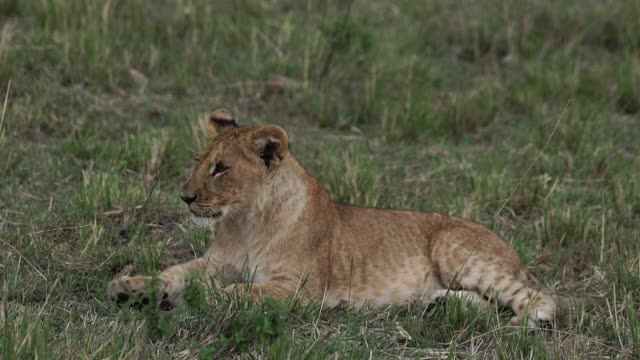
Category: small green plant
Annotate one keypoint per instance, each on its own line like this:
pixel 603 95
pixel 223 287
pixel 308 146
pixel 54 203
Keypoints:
pixel 159 324
pixel 258 324
pixel 459 318
pixel 23 334
pixel 195 295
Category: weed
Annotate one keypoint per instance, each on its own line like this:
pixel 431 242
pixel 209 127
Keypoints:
pixel 259 324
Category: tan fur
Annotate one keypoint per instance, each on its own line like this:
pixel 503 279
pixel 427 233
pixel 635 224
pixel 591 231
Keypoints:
pixel 278 228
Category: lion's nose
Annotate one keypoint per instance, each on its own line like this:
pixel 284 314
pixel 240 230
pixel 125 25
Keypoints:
pixel 188 198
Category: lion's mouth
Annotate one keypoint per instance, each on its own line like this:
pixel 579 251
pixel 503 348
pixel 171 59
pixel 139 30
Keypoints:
pixel 206 219
pixel 207 214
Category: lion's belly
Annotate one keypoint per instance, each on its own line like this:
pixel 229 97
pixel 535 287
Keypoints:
pixel 409 281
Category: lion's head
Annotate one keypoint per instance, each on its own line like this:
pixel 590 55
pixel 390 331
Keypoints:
pixel 233 168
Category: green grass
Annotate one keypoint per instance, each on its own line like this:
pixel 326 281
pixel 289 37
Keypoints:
pixel 438 106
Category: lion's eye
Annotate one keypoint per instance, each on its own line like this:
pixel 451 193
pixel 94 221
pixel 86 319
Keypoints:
pixel 219 169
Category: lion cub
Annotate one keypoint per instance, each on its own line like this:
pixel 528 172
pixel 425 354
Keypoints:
pixel 280 223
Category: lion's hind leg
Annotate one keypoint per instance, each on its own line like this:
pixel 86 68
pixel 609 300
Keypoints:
pixel 469 297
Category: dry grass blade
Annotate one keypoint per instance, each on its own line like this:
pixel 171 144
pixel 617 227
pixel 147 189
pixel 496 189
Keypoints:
pixel 40 312
pixel 25 259
pixel 540 152
pixel 4 111
pixel 4 312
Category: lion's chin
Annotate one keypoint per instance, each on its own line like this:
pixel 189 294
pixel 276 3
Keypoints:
pixel 202 222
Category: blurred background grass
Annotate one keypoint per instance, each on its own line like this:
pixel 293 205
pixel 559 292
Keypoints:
pixel 430 105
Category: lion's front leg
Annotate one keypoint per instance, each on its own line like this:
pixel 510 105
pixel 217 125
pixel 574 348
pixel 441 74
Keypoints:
pixel 278 288
pixel 170 284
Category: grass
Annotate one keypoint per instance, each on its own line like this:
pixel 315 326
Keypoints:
pixel 438 106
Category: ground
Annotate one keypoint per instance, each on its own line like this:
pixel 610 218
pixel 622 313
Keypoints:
pixel 522 116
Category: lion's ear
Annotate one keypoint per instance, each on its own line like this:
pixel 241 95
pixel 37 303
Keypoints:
pixel 220 121
pixel 271 143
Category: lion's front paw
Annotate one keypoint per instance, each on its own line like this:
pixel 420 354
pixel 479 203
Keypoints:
pixel 137 291
pixel 122 289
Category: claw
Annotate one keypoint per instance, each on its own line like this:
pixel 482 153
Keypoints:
pixel 122 298
pixel 165 305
